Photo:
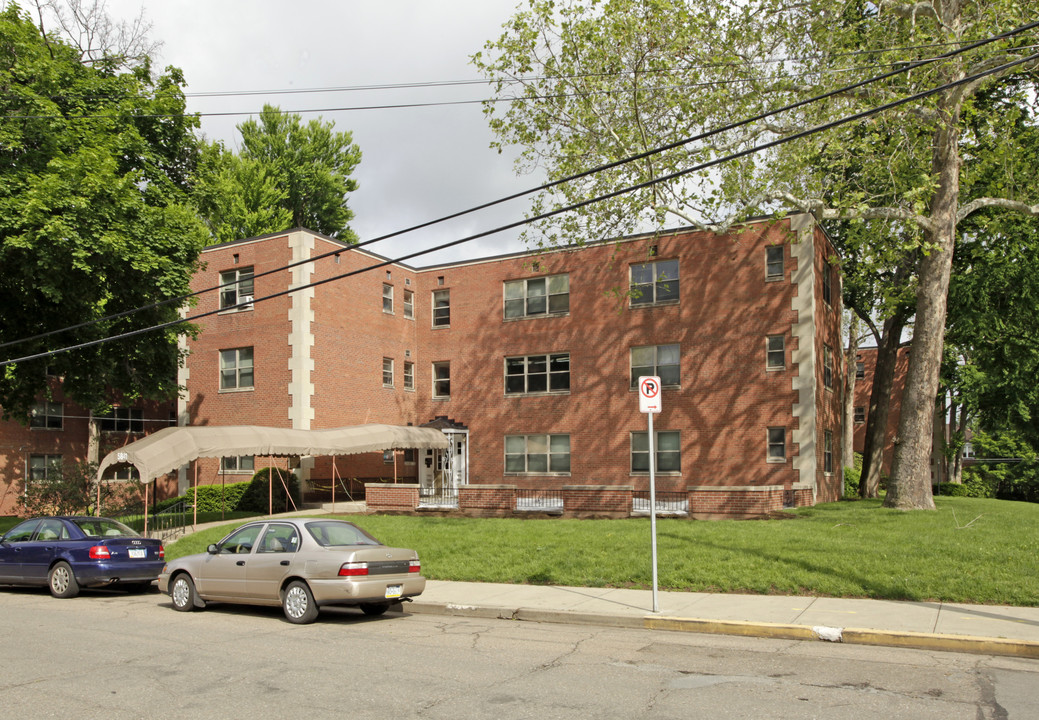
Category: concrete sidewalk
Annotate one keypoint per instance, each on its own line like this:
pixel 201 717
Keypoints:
pixel 991 630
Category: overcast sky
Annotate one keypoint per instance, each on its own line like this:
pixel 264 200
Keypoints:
pixel 418 163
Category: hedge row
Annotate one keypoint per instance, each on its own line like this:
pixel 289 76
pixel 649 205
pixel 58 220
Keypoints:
pixel 252 496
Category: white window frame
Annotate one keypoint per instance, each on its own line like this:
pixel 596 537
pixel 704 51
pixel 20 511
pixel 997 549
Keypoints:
pixel 442 313
pixel 828 378
pixel 243 288
pixel 238 464
pixel 387 372
pixel 409 375
pixel 387 298
pixel 47 415
pixel 532 445
pixel 664 458
pixel 517 294
pixel 237 368
pixel 775 439
pixel 775 267
pixel 828 452
pixel 409 305
pixel 122 420
pixel 655 368
pixel 552 373
pixel 827 274
pixel 771 351
pixel 438 382
pixel 51 463
pixel 859 414
pixel 644 293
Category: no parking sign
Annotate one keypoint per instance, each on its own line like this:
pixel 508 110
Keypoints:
pixel 649 394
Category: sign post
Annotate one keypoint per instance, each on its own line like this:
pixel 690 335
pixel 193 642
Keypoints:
pixel 649 403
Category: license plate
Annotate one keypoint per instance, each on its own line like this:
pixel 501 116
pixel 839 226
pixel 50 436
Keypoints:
pixel 394 591
pixel 138 553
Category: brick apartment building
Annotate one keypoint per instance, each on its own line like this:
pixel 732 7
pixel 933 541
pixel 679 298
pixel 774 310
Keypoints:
pixel 527 362
pixel 865 369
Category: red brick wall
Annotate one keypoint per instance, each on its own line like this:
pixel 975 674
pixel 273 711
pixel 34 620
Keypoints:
pixel 382 498
pixel 863 389
pixel 828 411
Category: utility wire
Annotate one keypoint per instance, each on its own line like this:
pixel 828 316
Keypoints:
pixel 550 185
pixel 558 211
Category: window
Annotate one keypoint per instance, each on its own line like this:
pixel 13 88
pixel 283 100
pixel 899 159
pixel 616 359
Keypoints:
pixel 968 450
pixel 441 308
pixel 241 291
pixel 387 372
pixel 279 539
pixel 44 467
pixel 387 298
pixel 776 445
pixel 123 420
pixel 659 360
pixel 774 262
pixel 860 369
pixel 238 464
pixel 409 305
pixel 236 369
pixel 537 454
pixel 860 414
pixel 409 456
pixel 668 451
pixel 441 379
pixel 654 283
pixel 409 376
pixel 537 374
pixel 123 472
pixel 537 296
pixel 775 352
pixel 827 367
pixel 828 452
pixel 241 541
pixel 827 283
pixel 46 415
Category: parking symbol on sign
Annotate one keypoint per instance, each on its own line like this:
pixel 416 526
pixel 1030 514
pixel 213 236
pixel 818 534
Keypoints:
pixel 649 394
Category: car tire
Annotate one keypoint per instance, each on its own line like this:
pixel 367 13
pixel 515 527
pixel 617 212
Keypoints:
pixel 374 608
pixel 62 581
pixel 298 603
pixel 182 593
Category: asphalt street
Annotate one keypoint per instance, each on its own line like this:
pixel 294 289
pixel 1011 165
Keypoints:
pixel 112 655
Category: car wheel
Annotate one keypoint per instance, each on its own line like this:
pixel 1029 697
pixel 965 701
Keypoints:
pixel 62 581
pixel 374 608
pixel 182 593
pixel 298 603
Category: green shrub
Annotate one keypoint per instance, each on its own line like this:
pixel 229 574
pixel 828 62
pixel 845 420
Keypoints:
pixel 257 497
pixel 851 481
pixel 952 490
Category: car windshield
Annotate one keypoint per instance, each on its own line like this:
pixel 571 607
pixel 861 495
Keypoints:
pixel 103 527
pixel 331 533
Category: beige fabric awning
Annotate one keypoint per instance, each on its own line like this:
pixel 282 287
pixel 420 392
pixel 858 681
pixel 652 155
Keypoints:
pixel 170 448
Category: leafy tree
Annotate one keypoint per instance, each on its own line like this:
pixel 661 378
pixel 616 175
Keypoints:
pixel 287 174
pixel 75 491
pixel 597 81
pixel 94 219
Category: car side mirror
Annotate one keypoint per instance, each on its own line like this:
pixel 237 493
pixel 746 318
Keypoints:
pixel 212 549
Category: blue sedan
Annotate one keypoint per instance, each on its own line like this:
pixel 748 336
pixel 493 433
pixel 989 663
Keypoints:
pixel 67 553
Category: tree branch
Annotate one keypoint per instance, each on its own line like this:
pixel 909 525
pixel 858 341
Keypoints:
pixel 1003 203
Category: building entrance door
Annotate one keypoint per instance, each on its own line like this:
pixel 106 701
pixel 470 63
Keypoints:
pixel 442 472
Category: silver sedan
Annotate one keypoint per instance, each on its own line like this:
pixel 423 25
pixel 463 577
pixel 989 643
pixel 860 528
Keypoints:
pixel 300 564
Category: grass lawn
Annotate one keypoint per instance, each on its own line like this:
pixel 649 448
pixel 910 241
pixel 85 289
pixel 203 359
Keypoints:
pixel 969 550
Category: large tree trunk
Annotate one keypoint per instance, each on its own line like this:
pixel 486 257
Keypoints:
pixel 880 405
pixel 910 486
pixel 848 442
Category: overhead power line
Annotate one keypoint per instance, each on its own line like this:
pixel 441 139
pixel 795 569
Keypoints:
pixel 569 208
pixel 556 183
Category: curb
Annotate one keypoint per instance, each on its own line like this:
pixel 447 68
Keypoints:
pixel 850 636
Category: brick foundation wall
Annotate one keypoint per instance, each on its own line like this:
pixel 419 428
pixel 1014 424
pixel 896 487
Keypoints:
pixel 487 498
pixel 597 499
pixel 737 501
pixel 387 498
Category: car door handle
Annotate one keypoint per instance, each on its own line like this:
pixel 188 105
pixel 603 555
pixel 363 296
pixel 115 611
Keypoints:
pixel 284 562
pixel 240 562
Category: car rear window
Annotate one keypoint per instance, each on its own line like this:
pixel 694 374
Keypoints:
pixel 330 533
pixel 104 528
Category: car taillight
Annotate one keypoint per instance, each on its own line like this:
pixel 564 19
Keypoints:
pixel 353 568
pixel 162 553
pixel 414 566
pixel 100 552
